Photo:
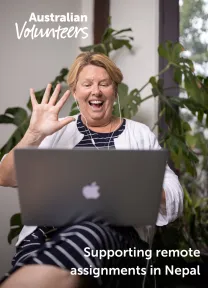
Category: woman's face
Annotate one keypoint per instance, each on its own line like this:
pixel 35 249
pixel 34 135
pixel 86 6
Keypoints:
pixel 95 93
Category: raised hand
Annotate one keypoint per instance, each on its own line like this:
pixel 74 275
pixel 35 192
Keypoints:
pixel 44 120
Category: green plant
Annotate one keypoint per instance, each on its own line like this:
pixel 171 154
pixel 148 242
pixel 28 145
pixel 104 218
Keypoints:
pixel 177 138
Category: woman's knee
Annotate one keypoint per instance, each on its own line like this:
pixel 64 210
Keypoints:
pixel 99 235
pixel 45 276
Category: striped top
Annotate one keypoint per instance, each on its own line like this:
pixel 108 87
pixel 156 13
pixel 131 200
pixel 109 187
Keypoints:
pixel 102 140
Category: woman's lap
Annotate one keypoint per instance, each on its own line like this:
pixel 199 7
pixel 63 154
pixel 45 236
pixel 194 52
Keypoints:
pixel 65 249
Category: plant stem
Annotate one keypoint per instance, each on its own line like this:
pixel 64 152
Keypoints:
pixel 146 98
pixel 160 73
pixel 156 123
pixel 163 70
pixel 145 85
pixel 174 87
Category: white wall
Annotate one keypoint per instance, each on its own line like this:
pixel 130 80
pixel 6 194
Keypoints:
pixel 142 63
pixel 26 63
pixel 29 63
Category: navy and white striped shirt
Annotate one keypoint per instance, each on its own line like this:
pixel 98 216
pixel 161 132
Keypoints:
pixel 101 139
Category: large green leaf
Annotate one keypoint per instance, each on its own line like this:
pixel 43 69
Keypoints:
pixel 4 119
pixel 178 76
pixel 186 64
pixel 62 76
pixel 176 52
pixel 195 89
pixel 163 52
pixel 186 156
pixel 157 86
pixel 119 43
pixel 15 115
pixel 98 48
pixel 121 31
pixel 74 109
pixel 13 233
pixel 15 138
pixel 87 48
pixel 16 220
pixel 171 51
pixel 15 227
pixel 190 103
pixel 129 102
pixel 107 34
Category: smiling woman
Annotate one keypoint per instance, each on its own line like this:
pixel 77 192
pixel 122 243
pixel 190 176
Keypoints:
pixel 93 81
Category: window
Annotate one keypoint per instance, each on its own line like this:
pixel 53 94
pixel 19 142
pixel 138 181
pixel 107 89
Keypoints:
pixel 194 37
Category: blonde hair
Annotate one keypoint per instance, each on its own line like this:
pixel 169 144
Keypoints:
pixel 97 59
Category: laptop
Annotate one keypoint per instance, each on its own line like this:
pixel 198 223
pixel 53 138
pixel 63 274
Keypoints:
pixel 58 186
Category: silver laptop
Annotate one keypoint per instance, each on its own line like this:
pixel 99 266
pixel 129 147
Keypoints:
pixel 58 186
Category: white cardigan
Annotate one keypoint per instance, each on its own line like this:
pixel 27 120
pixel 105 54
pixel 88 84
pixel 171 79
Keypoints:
pixel 135 136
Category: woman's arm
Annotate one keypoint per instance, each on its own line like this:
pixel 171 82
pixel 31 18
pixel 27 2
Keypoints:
pixel 7 166
pixel 163 199
pixel 172 196
pixel 173 207
pixel 44 122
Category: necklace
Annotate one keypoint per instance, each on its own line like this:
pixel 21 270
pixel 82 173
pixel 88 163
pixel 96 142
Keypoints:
pixel 93 141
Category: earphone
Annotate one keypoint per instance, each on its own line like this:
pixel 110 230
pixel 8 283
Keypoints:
pixel 92 140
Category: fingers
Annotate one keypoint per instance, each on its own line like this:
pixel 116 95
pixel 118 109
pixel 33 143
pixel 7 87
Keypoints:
pixel 53 98
pixel 46 95
pixel 33 98
pixel 62 101
pixel 55 95
pixel 66 121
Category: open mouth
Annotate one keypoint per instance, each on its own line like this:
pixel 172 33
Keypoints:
pixel 96 103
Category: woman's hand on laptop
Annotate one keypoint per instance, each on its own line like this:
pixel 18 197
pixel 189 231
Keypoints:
pixel 44 120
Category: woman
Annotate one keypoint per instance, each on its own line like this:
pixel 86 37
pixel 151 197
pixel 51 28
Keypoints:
pixel 93 80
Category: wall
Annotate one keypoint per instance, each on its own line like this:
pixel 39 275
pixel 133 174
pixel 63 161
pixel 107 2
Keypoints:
pixel 142 62
pixel 29 63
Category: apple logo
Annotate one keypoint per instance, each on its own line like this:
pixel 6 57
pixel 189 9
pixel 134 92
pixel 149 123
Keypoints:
pixel 91 191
